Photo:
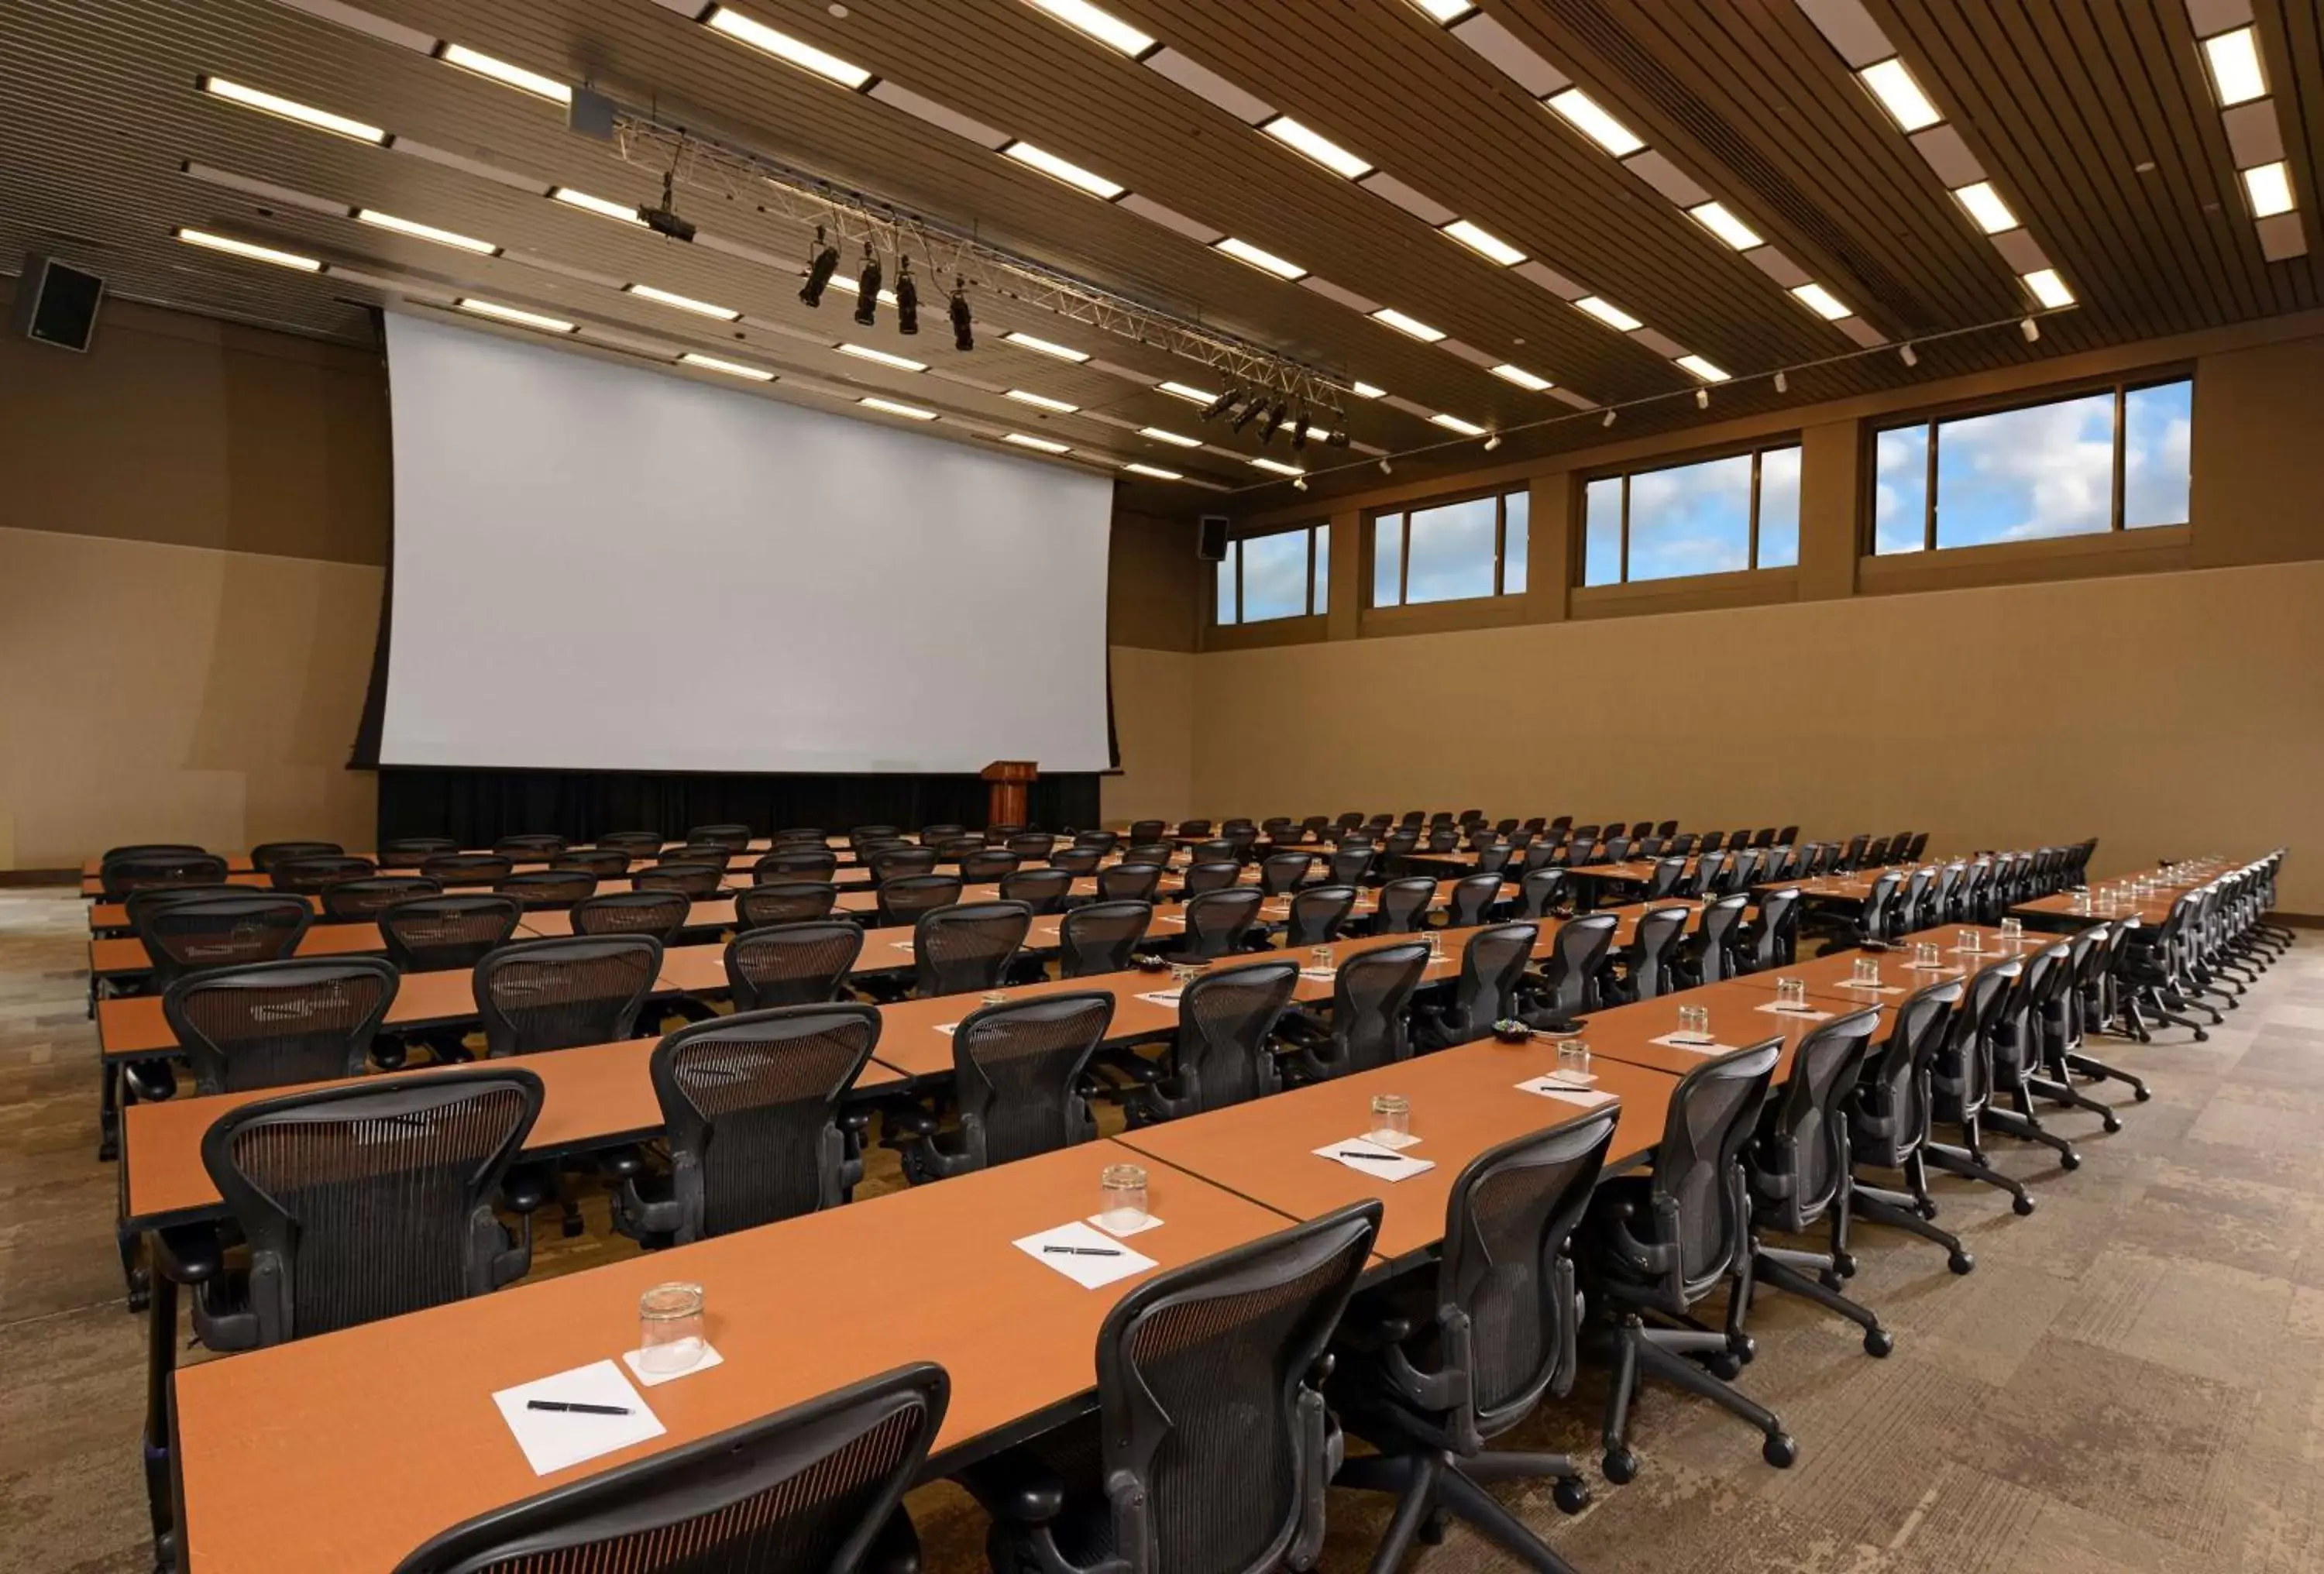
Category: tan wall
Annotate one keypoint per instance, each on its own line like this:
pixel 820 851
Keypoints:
pixel 1154 724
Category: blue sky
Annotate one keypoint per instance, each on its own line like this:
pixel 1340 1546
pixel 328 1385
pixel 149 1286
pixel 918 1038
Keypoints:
pixel 1695 518
pixel 1451 552
pixel 1274 576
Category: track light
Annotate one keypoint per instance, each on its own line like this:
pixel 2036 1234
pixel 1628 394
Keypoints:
pixel 1222 404
pixel 823 263
pixel 1782 383
pixel 1339 438
pixel 963 325
pixel 1608 420
pixel 1299 430
pixel 867 287
pixel 1702 398
pixel 1385 468
pixel 907 298
pixel 1274 421
pixel 1257 402
pixel 1299 483
pixel 2031 329
pixel 1906 353
pixel 1492 442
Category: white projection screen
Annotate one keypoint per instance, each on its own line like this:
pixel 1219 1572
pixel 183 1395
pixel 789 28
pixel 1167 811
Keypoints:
pixel 604 567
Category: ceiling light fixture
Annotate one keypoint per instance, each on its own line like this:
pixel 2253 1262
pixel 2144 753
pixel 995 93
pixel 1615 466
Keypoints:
pixel 907 298
pixel 2048 288
pixel 1062 169
pixel 791 51
pixel 1153 472
pixel 1702 398
pixel 1062 352
pixel 2236 75
pixel 511 314
pixel 682 302
pixel 246 249
pixel 1909 356
pixel 1321 148
pixel 1821 301
pixel 1163 435
pixel 596 204
pixel 1102 26
pixel 1984 207
pixel 1899 94
pixel 425 231
pixel 866 353
pixel 1606 312
pixel 2031 329
pixel 1278 467
pixel 1043 444
pixel 1220 405
pixel 2269 188
pixel 1339 437
pixel 1273 420
pixel 1366 390
pixel 1586 116
pixel 1407 324
pixel 1040 401
pixel 822 263
pixel 732 368
pixel 911 412
pixel 1715 217
pixel 1385 467
pixel 1608 420
pixel 1258 403
pixel 1299 484
pixel 964 323
pixel 1782 383
pixel 1453 423
pixel 290 109
pixel 1445 10
pixel 1702 368
pixel 1265 262
pixel 501 72
pixel 1522 378
pixel 1192 395
pixel 867 288
pixel 1484 242
pixel 1492 442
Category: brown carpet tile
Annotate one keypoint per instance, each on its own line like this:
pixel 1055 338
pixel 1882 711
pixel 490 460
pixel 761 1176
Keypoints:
pixel 2133 1379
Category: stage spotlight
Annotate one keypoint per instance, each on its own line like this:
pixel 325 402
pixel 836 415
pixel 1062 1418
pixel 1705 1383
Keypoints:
pixel 1274 421
pixel 823 263
pixel 963 325
pixel 1387 468
pixel 907 298
pixel 1222 404
pixel 1299 430
pixel 1258 403
pixel 1339 438
pixel 867 287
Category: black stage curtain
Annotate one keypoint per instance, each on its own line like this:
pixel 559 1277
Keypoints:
pixel 477 808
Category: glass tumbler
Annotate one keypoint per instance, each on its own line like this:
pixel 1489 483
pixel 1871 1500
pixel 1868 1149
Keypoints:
pixel 1925 954
pixel 1574 1060
pixel 669 1328
pixel 1121 1197
pixel 1391 1115
pixel 1965 940
pixel 1694 1022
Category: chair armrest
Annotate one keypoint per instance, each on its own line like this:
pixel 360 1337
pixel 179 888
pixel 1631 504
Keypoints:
pixel 1014 1485
pixel 526 1186
pixel 1447 1387
pixel 1320 1442
pixel 150 1081
pixel 189 1254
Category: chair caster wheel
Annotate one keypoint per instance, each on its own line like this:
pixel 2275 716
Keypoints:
pixel 1432 1529
pixel 1845 1263
pixel 2142 1094
pixel 1620 1466
pixel 1960 1261
pixel 2070 1161
pixel 2022 1206
pixel 1926 1210
pixel 138 1299
pixel 2113 1123
pixel 1747 1347
pixel 1833 1279
pixel 1780 1450
pixel 1878 1342
pixel 2202 1037
pixel 1726 1368
pixel 1572 1495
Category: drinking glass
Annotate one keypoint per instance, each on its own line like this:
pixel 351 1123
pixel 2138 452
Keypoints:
pixel 2013 929
pixel 1320 959
pixel 1391 1115
pixel 1121 1197
pixel 1573 1059
pixel 1925 954
pixel 669 1328
pixel 1965 940
pixel 1694 1021
pixel 1791 993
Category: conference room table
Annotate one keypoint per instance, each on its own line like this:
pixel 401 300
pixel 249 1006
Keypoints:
pixel 2064 911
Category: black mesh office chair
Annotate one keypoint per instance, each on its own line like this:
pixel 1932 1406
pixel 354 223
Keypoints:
pixel 1491 964
pixel 1146 830
pixel 185 932
pixel 1403 905
pixel 1017 1073
pixel 1772 939
pixel 1710 954
pixel 315 875
pixel 997 835
pixel 636 843
pixel 1192 828
pixel 1211 1446
pixel 801 962
pixel 559 994
pixel 357 901
pixel 733 838
pixel 810 1489
pixel 1076 861
pixel 903 899
pixel 453 870
pixel 530 846
pixel 548 888
pixel 988 864
pixel 1218 922
pixel 267 854
pixel 785 865
pixel 716 855
pixel 1100 937
pixel 1352 863
pixel 751 1114
pixel 607 863
pixel 1961 1083
pixel 798 836
pixel 1541 891
pixel 789 903
pixel 1710 877
pixel 901 862
pixel 937 835
pixel 270 1023
pixel 1372 999
pixel 1888 1117
pixel 1669 874
pixel 412 851
pixel 2014 1050
pixel 1431 1377
pixel 1800 1176
pixel 966 946
pixel 1318 915
pixel 1032 846
pixel 1649 961
pixel 345 1225
pixel 1098 842
pixel 1220 1055
pixel 428 934
pixel 1874 919
pixel 1044 891
pixel 859 834
pixel 698 882
pixel 1466 904
pixel 1657 1245
pixel 1212 877
pixel 1129 882
pixel 661 914
pixel 1570 977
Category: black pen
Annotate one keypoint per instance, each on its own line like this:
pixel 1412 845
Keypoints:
pixel 1081 1251
pixel 560 1404
pixel 1377 1158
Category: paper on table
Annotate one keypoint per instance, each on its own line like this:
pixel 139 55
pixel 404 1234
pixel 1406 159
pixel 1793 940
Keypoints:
pixel 1377 1161
pixel 1318 972
pixel 1550 1087
pixel 554 1439
pixel 1804 1013
pixel 1146 1222
pixel 1692 1045
pixel 900 944
pixel 1111 1261
pixel 1393 1140
pixel 1161 996
pixel 634 1360
pixel 946 1027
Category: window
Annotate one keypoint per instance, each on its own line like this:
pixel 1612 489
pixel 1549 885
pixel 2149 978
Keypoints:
pixel 1719 516
pixel 1278 576
pixel 2115 459
pixel 1451 552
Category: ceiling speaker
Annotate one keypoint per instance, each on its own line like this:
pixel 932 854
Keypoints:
pixel 1213 546
pixel 55 304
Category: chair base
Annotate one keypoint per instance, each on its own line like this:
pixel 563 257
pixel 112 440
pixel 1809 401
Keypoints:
pixel 1661 1353
pixel 1899 1211
pixel 1429 1486
pixel 1970 1164
pixel 1789 1270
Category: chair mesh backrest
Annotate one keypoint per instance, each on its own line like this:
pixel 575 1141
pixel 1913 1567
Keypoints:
pixel 1742 866
pixel 1371 1001
pixel 606 863
pixel 987 864
pixel 234 927
pixel 1101 842
pixel 903 900
pixel 1491 964
pixel 1710 874
pixel 797 963
pixel 1890 1089
pixel 1224 1020
pixel 750 1106
pixel 937 835
pixel 733 838
pixel 267 854
pixel 1802 1152
pixel 550 888
pixel 1697 1165
pixel 1712 841
pixel 698 882
pixel 318 874
pixel 1403 902
pixel 1194 827
pixel 1879 920
pixel 1668 873
pixel 1217 922
pixel 279 1022
pixel 1317 915
pixel 1146 830
pixel 1042 890
pixel 1203 1403
pixel 811 835
pixel 1016 1067
pixel 1540 891
pixel 356 900
pixel 1465 907
pixel 430 933
pixel 369 1200
pixel 1351 862
pixel 1511 1212
pixel 1211 877
pixel 1714 943
pixel 467 869
pixel 125 872
pixel 409 851
pixel 1032 845
pixel 557 994
pixel 784 903
pixel 896 862
pixel 800 1492
pixel 634 843
pixel 1777 933
pixel 530 846
pixel 1575 958
pixel 786 864
pixel 1652 946
pixel 968 946
pixel 1077 861
pixel 661 914
pixel 1098 938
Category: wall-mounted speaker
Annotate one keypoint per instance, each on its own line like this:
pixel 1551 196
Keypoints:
pixel 56 304
pixel 1213 546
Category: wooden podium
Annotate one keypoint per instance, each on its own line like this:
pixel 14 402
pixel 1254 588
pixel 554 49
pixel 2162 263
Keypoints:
pixel 1009 779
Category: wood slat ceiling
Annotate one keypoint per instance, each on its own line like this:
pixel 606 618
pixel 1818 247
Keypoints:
pixel 2061 100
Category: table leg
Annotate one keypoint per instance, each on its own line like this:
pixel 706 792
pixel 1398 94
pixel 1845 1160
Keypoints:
pixel 160 1361
pixel 108 1110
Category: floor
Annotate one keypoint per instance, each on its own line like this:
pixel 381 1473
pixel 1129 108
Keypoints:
pixel 2133 1379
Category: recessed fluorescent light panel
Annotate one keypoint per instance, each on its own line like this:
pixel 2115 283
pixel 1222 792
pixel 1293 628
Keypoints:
pixel 683 302
pixel 1062 352
pixel 511 314
pixel 1161 436
pixel 911 412
pixel 1586 116
pixel 1153 472
pixel 1521 377
pixel 1453 423
pixel 1265 262
pixel 846 286
pixel 425 231
pixel 1984 207
pixel 506 75
pixel 2269 187
pixel 1057 168
pixel 1279 467
pixel 1702 368
pixel 1042 444
pixel 1821 301
pixel 2237 76
pixel 732 368
pixel 2048 288
pixel 1191 394
pixel 1606 312
pixel 1102 26
pixel 1484 242
pixel 1444 10
pixel 1041 401
pixel 1899 94
pixel 596 204
pixel 256 253
pixel 1714 218
pixel 290 109
pixel 1366 390
pixel 1407 324
pixel 866 353
pixel 786 48
pixel 1316 146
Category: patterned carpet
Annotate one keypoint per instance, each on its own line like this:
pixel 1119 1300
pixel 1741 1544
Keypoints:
pixel 2133 1379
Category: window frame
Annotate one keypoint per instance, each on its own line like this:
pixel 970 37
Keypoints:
pixel 1757 449
pixel 1402 516
pixel 1234 556
pixel 2120 388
